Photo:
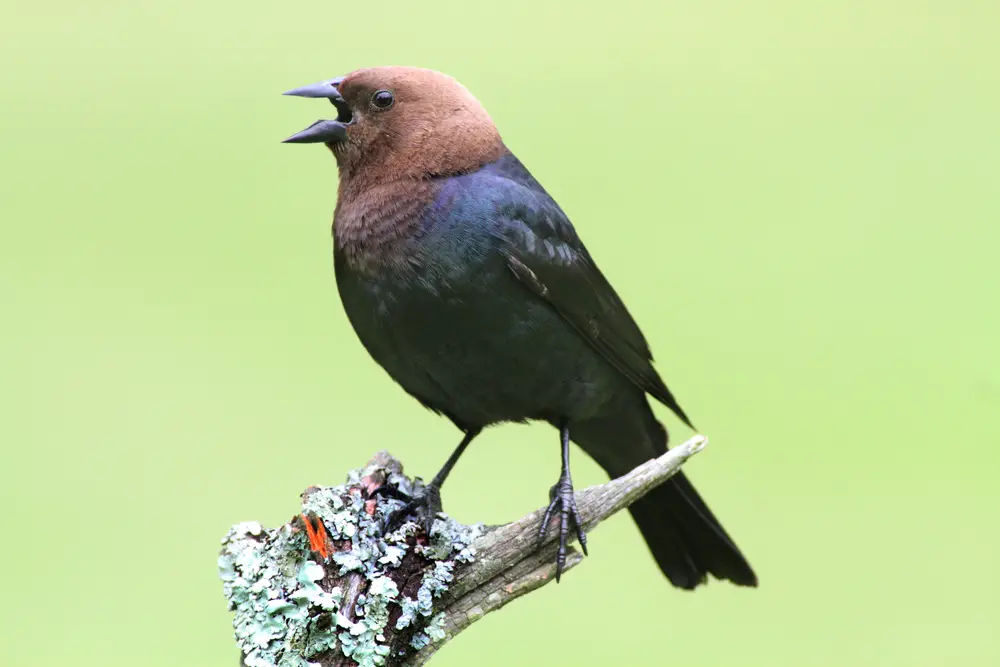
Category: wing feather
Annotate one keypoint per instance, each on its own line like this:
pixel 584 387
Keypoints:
pixel 545 254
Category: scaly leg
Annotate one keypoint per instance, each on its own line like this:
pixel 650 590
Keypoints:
pixel 561 497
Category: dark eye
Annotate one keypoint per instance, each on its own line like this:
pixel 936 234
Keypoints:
pixel 382 99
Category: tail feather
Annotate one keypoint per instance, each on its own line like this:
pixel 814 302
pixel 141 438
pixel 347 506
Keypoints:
pixel 686 539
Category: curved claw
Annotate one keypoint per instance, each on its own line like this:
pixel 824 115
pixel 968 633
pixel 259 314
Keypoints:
pixel 386 491
pixel 423 507
pixel 562 497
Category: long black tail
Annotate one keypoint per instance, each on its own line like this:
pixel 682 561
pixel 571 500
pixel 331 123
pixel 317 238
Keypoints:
pixel 686 539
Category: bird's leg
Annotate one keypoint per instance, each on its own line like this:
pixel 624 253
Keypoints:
pixel 425 504
pixel 562 498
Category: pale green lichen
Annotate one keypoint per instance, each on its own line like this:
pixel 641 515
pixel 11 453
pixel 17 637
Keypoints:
pixel 433 633
pixel 284 617
pixel 435 629
pixel 446 537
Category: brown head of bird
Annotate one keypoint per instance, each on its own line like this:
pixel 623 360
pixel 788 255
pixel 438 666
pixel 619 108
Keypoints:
pixel 401 122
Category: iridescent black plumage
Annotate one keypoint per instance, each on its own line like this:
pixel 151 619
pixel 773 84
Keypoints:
pixel 466 281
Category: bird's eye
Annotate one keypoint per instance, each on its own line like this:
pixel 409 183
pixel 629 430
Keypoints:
pixel 382 99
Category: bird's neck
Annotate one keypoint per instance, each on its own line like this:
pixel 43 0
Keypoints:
pixel 380 210
pixel 374 223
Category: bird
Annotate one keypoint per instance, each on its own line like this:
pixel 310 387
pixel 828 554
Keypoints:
pixel 467 282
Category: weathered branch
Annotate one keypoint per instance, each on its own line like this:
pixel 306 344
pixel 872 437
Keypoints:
pixel 350 595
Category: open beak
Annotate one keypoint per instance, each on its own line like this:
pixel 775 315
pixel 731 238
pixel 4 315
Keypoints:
pixel 323 131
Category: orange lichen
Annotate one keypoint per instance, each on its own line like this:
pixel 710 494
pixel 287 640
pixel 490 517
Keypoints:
pixel 319 542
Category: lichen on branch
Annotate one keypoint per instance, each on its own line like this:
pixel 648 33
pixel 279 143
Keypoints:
pixel 331 589
pixel 373 597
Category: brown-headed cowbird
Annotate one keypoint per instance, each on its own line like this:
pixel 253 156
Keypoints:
pixel 466 281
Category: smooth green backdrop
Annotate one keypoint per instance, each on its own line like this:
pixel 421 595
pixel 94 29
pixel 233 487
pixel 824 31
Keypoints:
pixel 797 200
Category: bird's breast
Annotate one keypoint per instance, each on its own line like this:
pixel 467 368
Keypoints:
pixel 376 227
pixel 430 294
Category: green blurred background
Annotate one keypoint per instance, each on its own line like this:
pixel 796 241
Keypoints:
pixel 798 201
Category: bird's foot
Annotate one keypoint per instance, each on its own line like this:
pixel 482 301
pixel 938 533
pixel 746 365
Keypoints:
pixel 422 507
pixel 388 491
pixel 562 498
